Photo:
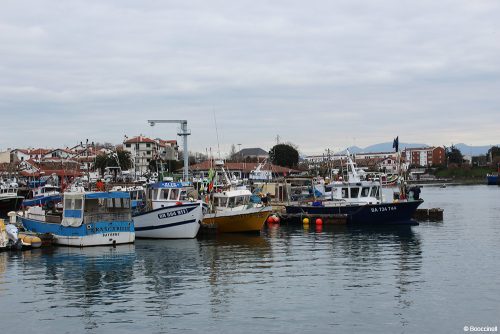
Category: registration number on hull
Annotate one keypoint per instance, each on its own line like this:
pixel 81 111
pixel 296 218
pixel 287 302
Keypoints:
pixel 384 209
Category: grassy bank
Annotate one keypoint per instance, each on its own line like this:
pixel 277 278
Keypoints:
pixel 470 174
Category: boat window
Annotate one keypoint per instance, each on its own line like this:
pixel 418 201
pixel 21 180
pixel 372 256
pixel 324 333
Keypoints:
pixel 374 192
pixel 354 192
pixel 78 204
pixel 118 204
pixel 222 201
pixel 126 203
pixel 365 192
pixel 174 194
pixel 67 203
pixel 164 193
pixel 183 194
pixel 345 193
pixel 239 200
pixel 155 193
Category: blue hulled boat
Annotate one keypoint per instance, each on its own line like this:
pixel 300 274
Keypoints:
pixel 492 179
pixel 360 200
pixel 88 219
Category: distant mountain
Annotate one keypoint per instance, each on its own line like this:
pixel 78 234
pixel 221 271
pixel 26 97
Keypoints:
pixel 383 147
pixel 387 147
pixel 473 150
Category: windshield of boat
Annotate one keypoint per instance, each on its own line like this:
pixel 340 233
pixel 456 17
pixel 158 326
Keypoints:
pixel 222 202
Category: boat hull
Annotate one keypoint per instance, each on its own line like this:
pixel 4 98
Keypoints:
pixel 92 234
pixel 250 220
pixel 170 222
pixel 492 179
pixel 10 204
pixel 368 214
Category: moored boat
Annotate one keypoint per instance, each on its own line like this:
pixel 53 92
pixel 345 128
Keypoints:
pixel 492 179
pixel 361 202
pixel 170 212
pixel 87 219
pixel 9 198
pixel 47 195
pixel 232 211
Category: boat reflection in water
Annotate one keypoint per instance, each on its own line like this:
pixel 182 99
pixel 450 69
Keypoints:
pixel 194 284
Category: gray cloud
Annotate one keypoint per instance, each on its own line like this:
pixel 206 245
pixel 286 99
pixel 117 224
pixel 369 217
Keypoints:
pixel 320 74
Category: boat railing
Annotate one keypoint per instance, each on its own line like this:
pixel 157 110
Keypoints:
pixel 106 217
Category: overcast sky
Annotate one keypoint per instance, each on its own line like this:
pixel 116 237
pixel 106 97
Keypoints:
pixel 320 74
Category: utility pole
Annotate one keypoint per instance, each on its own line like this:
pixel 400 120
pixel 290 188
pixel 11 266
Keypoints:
pixel 184 132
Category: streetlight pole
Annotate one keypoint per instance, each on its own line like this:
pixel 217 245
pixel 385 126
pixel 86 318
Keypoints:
pixel 184 132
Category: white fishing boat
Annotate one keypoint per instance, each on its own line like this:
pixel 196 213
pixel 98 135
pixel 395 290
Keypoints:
pixel 170 213
pixel 9 198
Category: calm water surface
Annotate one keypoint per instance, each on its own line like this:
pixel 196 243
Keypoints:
pixel 435 277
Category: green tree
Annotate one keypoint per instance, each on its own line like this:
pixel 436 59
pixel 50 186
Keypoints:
pixel 285 155
pixel 494 154
pixel 453 155
pixel 119 158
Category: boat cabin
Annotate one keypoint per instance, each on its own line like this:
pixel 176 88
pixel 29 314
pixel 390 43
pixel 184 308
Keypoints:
pixel 47 190
pixel 237 199
pixel 360 192
pixel 171 193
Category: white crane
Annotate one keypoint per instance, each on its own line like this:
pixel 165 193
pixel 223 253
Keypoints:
pixel 184 132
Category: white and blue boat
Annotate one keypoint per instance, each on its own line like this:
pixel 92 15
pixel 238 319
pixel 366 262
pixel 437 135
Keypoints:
pixel 87 219
pixel 47 195
pixel 170 212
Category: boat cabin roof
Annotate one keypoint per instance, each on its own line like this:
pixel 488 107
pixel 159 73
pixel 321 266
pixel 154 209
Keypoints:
pixel 234 193
pixel 98 195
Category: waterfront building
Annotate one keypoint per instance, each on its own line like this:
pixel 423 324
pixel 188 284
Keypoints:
pixel 143 149
pixel 425 156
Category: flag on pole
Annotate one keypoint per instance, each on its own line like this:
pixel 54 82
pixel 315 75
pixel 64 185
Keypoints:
pixel 395 144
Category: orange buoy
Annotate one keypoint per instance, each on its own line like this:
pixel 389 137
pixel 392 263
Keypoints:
pixel 319 221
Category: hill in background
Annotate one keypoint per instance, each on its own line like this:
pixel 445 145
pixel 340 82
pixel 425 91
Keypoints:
pixel 387 147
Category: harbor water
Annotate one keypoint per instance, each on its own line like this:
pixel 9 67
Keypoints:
pixel 436 277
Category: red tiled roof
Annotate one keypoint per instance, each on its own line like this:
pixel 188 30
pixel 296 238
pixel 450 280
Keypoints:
pixel 39 151
pixel 246 167
pixel 139 139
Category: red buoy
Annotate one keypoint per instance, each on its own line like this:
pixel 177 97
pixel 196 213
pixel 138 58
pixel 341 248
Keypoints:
pixel 270 219
pixel 276 219
pixel 319 221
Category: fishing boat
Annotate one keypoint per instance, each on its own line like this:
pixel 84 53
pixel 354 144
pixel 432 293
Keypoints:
pixel 233 211
pixel 46 195
pixel 492 179
pixel 9 198
pixel 172 211
pixel 361 201
pixel 87 219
